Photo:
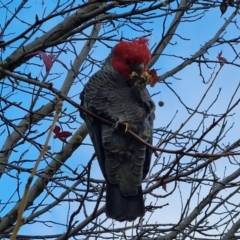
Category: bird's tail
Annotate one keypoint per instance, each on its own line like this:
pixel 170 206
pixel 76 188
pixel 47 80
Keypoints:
pixel 123 208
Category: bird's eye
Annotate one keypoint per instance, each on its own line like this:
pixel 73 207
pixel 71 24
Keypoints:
pixel 128 62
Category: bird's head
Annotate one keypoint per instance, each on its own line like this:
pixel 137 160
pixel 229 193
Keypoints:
pixel 129 57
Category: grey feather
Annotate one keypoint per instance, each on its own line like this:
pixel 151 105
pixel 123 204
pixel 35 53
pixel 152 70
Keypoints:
pixel 124 161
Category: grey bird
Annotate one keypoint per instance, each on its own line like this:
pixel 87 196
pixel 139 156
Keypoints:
pixel 118 93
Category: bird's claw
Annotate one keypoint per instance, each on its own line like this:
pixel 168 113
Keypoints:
pixel 126 126
pixel 120 125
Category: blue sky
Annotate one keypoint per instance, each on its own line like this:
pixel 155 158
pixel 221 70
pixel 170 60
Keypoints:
pixel 190 88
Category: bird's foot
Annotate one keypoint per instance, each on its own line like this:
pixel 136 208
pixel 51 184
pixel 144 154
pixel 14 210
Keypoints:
pixel 126 126
pixel 121 126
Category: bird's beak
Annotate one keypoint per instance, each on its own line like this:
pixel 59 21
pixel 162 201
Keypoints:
pixel 139 68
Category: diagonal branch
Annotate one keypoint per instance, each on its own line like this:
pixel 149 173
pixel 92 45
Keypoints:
pixel 40 114
pixel 154 149
pixel 200 52
pixel 56 33
pixel 40 184
pixel 169 34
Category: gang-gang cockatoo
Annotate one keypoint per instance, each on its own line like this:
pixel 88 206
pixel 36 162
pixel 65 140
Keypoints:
pixel 117 92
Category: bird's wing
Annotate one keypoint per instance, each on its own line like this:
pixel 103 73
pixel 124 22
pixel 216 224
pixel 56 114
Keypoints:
pixel 111 98
pixel 148 150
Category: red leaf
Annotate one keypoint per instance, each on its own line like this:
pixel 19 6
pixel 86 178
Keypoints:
pixel 221 59
pixel 164 187
pixel 158 178
pixel 154 77
pixel 47 59
pixel 63 140
pixel 56 130
pixel 64 134
pixel 61 135
pixel 223 7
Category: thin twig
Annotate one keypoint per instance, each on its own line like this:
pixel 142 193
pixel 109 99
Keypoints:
pixel 154 149
pixel 20 220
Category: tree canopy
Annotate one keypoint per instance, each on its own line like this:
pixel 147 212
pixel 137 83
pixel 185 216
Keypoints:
pixel 51 184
